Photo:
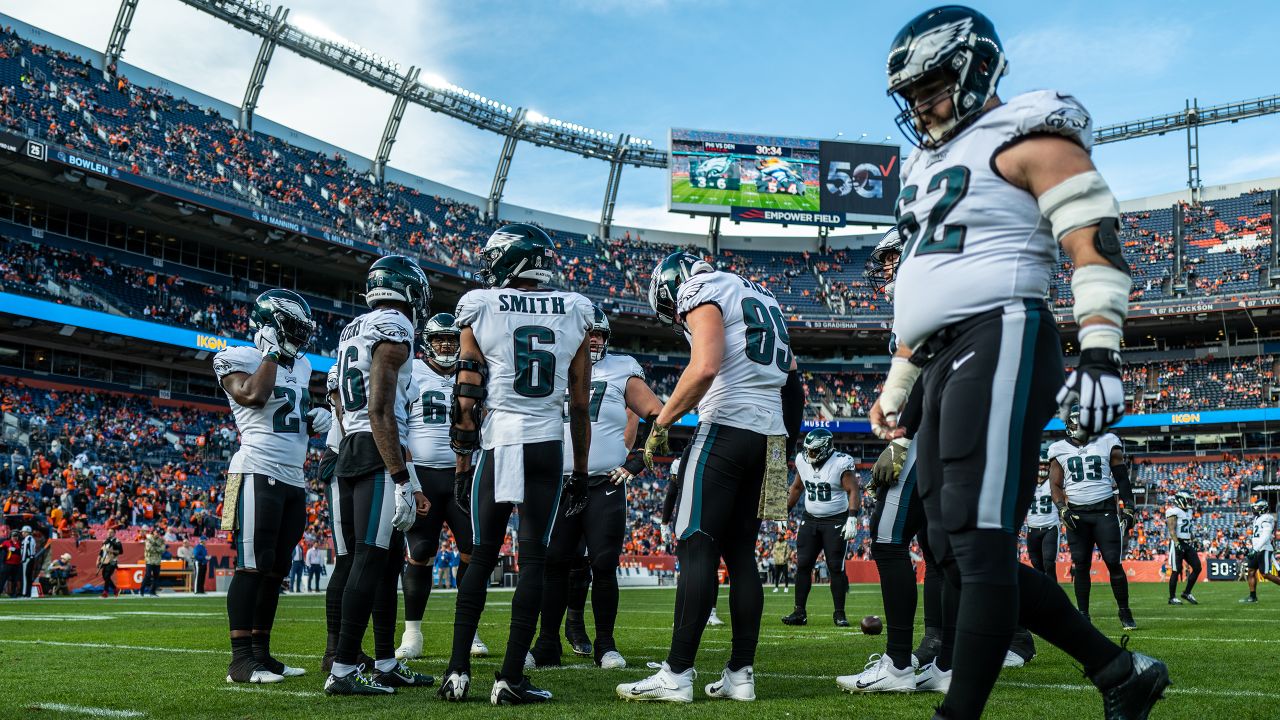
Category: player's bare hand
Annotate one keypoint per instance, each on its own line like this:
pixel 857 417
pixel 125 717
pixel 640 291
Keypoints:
pixel 421 504
pixel 884 427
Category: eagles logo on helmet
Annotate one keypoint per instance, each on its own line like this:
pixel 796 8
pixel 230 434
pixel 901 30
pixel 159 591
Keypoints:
pixel 954 53
pixel 289 315
pixel 517 251
pixel 396 278
pixel 664 284
pixel 819 445
pixel 1183 500
pixel 1260 506
pixel 441 339
pixel 599 325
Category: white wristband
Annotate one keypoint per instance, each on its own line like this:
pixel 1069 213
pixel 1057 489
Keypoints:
pixel 1106 337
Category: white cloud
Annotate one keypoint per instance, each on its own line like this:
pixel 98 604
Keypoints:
pixel 1112 49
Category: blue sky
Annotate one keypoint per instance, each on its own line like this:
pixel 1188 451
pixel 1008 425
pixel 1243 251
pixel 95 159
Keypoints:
pixel 641 66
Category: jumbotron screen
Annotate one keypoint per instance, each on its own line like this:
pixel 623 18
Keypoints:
pixel 764 178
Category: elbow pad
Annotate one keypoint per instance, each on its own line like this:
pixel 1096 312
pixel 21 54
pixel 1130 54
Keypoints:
pixel 1078 202
pixel 465 442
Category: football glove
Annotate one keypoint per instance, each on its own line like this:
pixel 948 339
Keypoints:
pixel 575 493
pixel 884 474
pixel 1096 387
pixel 462 489
pixel 620 475
pixel 406 504
pixel 1126 522
pixel 1068 517
pixel 266 342
pixel 850 529
pixel 656 444
pixel 319 420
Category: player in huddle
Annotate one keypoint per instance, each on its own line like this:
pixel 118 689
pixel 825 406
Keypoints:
pixel 619 397
pixel 523 345
pixel 741 377
pixel 1085 475
pixel 266 500
pixel 991 192
pixel 378 496
pixel 433 464
pixel 828 481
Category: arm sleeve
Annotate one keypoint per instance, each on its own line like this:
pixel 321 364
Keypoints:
pixel 792 409
pixel 1121 473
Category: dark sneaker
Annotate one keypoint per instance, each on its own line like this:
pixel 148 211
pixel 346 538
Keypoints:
pixel 357 683
pixel 1133 698
pixel 797 617
pixel 402 676
pixel 1126 619
pixel 1188 597
pixel 575 631
pixel 1249 600
pixel 840 619
pixel 521 693
pixel 251 671
pixel 455 686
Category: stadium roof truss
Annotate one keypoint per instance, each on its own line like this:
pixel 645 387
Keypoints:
pixel 517 124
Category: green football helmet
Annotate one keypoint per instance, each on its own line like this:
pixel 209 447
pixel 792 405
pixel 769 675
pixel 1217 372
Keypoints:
pixel 953 52
pixel 1184 500
pixel 442 325
pixel 664 284
pixel 396 278
pixel 599 324
pixel 289 314
pixel 517 251
pixel 819 445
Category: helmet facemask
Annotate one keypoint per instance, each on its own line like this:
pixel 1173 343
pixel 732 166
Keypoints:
pixel 598 342
pixel 444 348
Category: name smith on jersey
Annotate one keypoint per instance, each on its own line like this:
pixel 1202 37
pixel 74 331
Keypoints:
pixel 528 303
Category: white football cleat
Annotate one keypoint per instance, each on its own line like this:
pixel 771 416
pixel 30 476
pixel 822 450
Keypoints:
pixel 455 686
pixel 478 648
pixel 292 671
pixel 734 685
pixel 612 660
pixel 662 686
pixel 879 675
pixel 932 679
pixel 1013 660
pixel 714 620
pixel 258 676
pixel 410 645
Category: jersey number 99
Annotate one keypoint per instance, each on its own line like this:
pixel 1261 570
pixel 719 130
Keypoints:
pixel 766 330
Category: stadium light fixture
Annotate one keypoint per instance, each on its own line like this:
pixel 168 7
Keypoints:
pixel 535 117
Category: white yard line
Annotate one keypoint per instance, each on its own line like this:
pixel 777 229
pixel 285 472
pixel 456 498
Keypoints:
pixel 262 690
pixel 91 711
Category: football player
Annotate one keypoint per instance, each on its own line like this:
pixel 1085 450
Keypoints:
pixel 619 396
pixel 1084 475
pixel 378 496
pixel 341 542
pixel 1182 548
pixel 1042 525
pixel 740 362
pixel 522 345
pixel 266 500
pixel 434 465
pixel 897 518
pixel 991 192
pixel 1261 560
pixel 828 481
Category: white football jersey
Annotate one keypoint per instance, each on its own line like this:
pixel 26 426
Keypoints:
pixel 333 438
pixel 429 417
pixel 1086 469
pixel 1184 520
pixel 1262 538
pixel 355 353
pixel 273 438
pixel 528 339
pixel 824 496
pixel 973 241
pixel 747 392
pixel 1042 513
pixel 608 410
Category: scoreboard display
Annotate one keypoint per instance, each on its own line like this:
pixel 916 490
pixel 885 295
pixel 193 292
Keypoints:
pixel 764 178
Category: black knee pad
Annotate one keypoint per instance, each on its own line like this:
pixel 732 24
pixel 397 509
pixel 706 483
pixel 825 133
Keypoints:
pixel 986 556
pixel 422 551
pixel 484 557
pixel 267 561
pixel 579 562
pixel 533 552
pixel 604 565
pixel 888 551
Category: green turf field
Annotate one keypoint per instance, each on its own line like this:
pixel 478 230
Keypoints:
pixel 167 657
pixel 683 192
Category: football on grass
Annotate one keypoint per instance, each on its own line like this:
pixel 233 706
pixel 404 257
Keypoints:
pixel 871 625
